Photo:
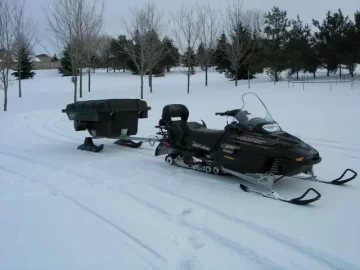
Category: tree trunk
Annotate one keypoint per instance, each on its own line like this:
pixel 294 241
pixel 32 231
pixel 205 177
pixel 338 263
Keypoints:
pixel 142 85
pixel 236 74
pixel 81 84
pixel 150 80
pixel 75 88
pixel 89 80
pixel 5 98
pixel 314 74
pixel 297 74
pixel 20 94
pixel 340 70
pixel 206 75
pixel 188 79
pixel 327 72
pixel 249 78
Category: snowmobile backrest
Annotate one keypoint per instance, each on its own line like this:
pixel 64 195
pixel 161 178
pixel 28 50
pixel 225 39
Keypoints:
pixel 175 110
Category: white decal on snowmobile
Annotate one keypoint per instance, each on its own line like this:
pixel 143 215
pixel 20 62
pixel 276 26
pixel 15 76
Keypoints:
pixel 228 151
pixel 250 139
pixel 198 145
pixel 230 147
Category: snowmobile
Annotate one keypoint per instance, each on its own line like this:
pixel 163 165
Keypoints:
pixel 252 147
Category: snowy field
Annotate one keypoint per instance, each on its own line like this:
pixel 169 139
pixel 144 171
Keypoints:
pixel 61 208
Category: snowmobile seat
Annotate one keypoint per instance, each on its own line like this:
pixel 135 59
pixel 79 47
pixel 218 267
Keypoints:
pixel 206 137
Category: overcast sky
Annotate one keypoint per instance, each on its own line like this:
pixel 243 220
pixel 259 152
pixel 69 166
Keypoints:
pixel 115 9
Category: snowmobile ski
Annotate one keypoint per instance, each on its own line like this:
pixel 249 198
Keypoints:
pixel 338 181
pixel 89 146
pixel 128 143
pixel 272 194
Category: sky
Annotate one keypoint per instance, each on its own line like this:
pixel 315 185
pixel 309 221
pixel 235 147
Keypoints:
pixel 116 9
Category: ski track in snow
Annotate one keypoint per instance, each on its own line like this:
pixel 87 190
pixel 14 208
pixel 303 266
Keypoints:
pixel 247 253
pixel 325 259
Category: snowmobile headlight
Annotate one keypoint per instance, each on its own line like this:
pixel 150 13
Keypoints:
pixel 271 127
pixel 300 159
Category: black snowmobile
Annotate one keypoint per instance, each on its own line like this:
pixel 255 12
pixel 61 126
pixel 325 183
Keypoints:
pixel 253 147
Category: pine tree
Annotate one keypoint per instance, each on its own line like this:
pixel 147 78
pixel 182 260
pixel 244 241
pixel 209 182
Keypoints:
pixel 25 65
pixel 193 60
pixel 65 67
pixel 332 40
pixel 221 58
pixel 276 32
pixel 172 56
pixel 298 47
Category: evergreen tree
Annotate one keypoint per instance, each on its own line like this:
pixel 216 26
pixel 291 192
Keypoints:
pixel 298 47
pixel 276 32
pixel 333 39
pixel 193 60
pixel 172 55
pixel 24 65
pixel 65 67
pixel 117 50
pixel 54 59
pixel 221 59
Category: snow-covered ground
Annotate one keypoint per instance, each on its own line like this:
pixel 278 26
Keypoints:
pixel 61 208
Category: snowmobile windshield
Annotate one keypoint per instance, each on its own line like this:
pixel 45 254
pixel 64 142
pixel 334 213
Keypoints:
pixel 255 114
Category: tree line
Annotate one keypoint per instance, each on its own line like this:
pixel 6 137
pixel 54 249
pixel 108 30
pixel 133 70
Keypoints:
pixel 235 41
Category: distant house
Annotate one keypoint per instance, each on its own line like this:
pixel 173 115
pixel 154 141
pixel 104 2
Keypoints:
pixel 45 62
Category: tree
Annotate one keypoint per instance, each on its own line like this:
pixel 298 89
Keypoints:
pixel 117 50
pixel 25 39
pixel 207 30
pixel 185 35
pixel 154 48
pixel 298 46
pixel 242 29
pixel 25 67
pixel 8 10
pixel 276 24
pixel 138 31
pixel 331 39
pixel 66 68
pixel 189 60
pixel 171 56
pixel 73 22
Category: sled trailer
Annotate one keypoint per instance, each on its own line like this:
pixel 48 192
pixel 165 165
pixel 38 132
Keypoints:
pixel 107 118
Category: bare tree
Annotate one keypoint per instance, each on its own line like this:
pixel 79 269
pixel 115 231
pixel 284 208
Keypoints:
pixel 185 35
pixel 104 50
pixel 208 26
pixel 242 29
pixel 7 44
pixel 73 22
pixel 154 48
pixel 25 38
pixel 135 45
pixel 96 50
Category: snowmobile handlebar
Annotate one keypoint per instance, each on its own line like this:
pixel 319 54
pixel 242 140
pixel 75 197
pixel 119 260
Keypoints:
pixel 228 113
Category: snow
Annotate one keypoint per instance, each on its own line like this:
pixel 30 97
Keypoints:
pixel 61 208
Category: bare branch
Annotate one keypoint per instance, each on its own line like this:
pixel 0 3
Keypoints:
pixel 185 35
pixel 74 22
pixel 208 26
pixel 8 10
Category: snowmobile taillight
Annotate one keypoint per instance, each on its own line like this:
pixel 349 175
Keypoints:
pixel 299 159
pixel 166 143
